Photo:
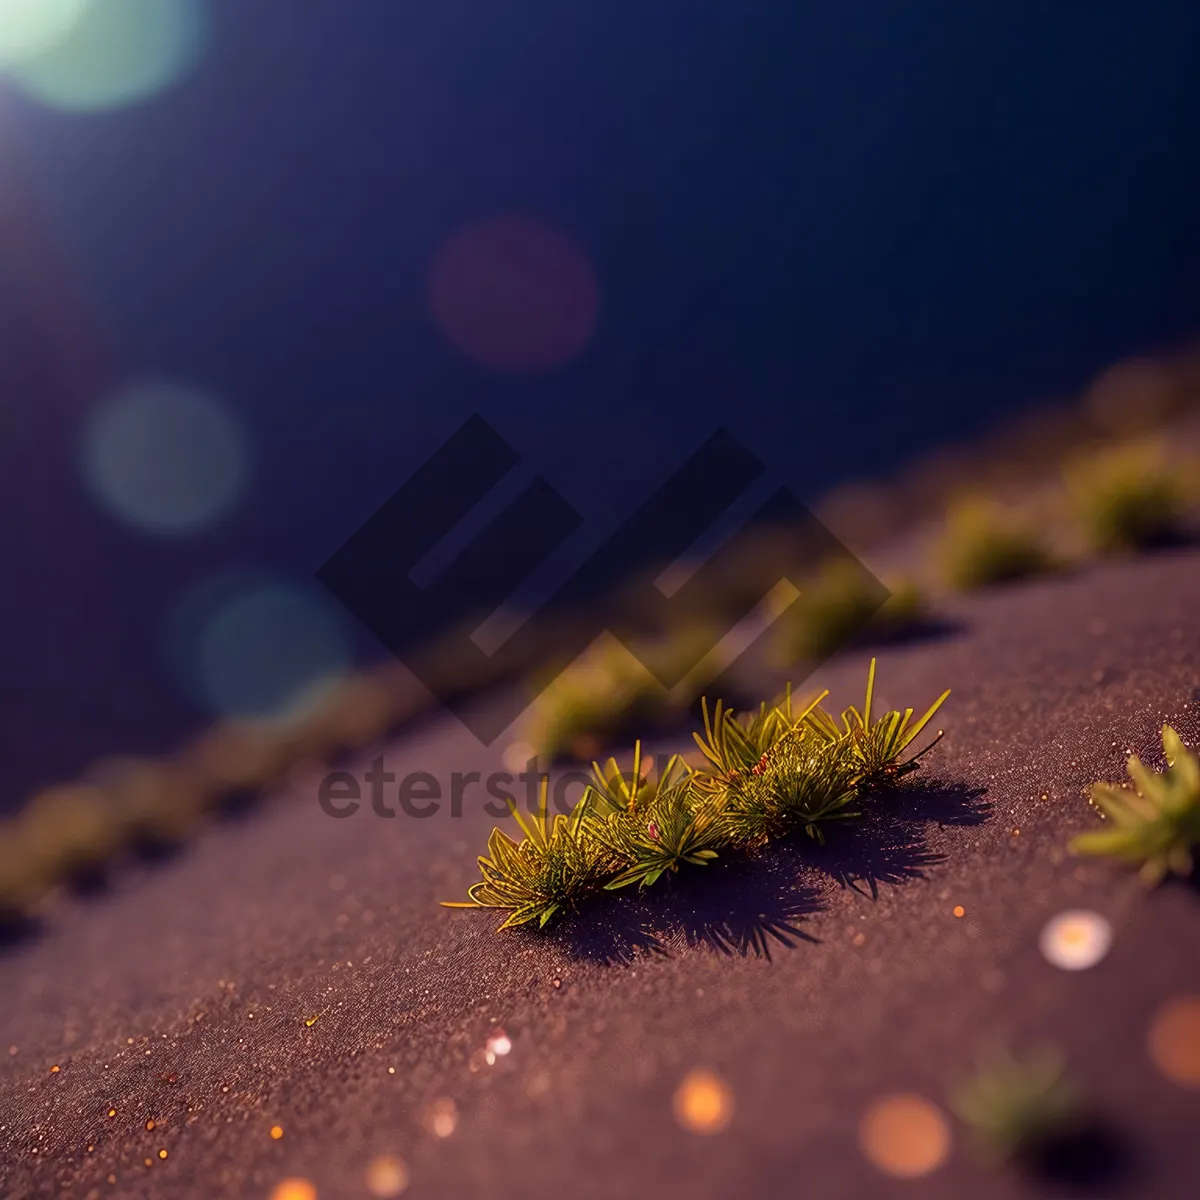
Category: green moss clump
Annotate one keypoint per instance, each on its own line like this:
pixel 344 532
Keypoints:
pixel 156 805
pixel 984 544
pixel 590 702
pixel 607 691
pixel 23 880
pixel 1127 497
pixel 552 866
pixel 842 605
pixel 69 832
pixel 769 773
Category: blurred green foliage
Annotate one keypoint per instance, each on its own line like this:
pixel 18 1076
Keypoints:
pixel 1016 1107
pixel 842 605
pixel 1156 823
pixel 984 543
pixel 1127 497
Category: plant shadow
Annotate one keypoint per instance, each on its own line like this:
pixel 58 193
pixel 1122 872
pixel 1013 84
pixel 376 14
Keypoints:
pixel 740 906
pixel 942 802
pixel 749 905
pixel 929 628
pixel 611 931
pixel 743 906
pixel 1091 1158
pixel 17 929
pixel 887 844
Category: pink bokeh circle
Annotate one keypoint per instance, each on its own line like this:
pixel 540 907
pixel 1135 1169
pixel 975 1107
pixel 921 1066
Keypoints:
pixel 514 294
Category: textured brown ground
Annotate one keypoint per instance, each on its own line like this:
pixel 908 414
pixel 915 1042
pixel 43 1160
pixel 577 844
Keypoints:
pixel 208 968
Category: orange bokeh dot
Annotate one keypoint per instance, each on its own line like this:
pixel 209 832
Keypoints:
pixel 1174 1041
pixel 294 1189
pixel 904 1135
pixel 703 1102
pixel 387 1176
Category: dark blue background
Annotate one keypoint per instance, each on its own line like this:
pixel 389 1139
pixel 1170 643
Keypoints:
pixel 850 231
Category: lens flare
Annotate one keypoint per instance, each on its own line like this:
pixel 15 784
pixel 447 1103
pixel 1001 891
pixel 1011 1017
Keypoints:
pixel 31 27
pixel 165 458
pixel 256 648
pixel 109 53
pixel 514 294
pixel 272 653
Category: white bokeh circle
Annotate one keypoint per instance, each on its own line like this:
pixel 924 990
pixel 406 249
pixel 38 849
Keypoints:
pixel 29 28
pixel 165 458
pixel 1076 939
pixel 111 53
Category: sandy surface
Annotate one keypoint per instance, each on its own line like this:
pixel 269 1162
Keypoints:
pixel 186 995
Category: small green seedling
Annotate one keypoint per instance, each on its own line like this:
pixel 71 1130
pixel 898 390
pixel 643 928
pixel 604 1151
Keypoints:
pixel 551 867
pixel 770 774
pixel 658 828
pixel 877 748
pixel 1017 1108
pixel 1156 823
pixel 802 783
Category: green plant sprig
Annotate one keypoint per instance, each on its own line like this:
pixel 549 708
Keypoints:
pixel 799 784
pixel 877 747
pixel 1016 1107
pixel 768 773
pixel 665 827
pixel 552 866
pixel 1156 823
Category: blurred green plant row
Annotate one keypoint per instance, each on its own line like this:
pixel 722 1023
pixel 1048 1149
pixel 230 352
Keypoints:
pixel 70 834
pixel 1133 401
pixel 1117 499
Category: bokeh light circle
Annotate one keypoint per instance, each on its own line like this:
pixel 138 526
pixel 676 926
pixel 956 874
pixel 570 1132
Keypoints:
pixel 294 1188
pixel 1174 1041
pixel 703 1102
pixel 255 647
pixel 31 27
pixel 904 1135
pixel 112 53
pixel 514 294
pixel 1076 939
pixel 387 1176
pixel 165 458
